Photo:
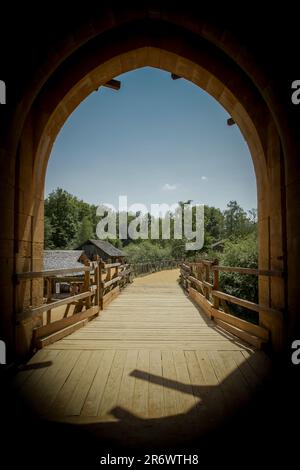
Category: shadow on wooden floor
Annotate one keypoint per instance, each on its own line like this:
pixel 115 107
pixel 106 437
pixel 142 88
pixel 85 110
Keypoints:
pixel 259 429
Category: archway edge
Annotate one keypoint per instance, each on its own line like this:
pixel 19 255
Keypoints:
pixel 80 75
pixel 149 56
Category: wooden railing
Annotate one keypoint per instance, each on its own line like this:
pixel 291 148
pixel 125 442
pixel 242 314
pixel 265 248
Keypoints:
pixel 92 287
pixel 202 281
pixel 147 267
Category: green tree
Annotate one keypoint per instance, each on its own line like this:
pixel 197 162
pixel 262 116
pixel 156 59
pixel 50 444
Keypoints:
pixel 146 251
pixel 243 253
pixel 62 213
pixel 236 222
pixel 85 231
pixel 213 222
pixel 48 232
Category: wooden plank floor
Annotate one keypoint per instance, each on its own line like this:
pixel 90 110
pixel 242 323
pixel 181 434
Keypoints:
pixel 150 355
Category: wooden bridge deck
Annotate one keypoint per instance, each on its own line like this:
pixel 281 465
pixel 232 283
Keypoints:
pixel 150 355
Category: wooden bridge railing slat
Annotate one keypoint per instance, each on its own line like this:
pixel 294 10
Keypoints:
pixel 98 281
pixel 46 307
pixel 110 282
pixel 244 303
pixel 112 265
pixel 199 283
pixel 198 274
pixel 51 272
pixel 250 271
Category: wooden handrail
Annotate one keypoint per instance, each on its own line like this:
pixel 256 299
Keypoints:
pixel 257 272
pixel 204 262
pixel 200 283
pixel 112 281
pixel 236 269
pixel 244 303
pixel 185 266
pixel 111 265
pixel 203 286
pixel 52 272
pixel 45 307
pixel 125 273
pixel 93 281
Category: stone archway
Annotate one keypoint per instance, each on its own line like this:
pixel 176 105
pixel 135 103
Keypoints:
pixel 176 45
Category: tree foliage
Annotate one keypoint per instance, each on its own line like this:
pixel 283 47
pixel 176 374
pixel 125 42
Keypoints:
pixel 229 235
pixel 147 251
pixel 70 221
pixel 242 252
pixel 85 231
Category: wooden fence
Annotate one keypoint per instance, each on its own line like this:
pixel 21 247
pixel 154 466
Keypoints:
pixel 201 280
pixel 98 284
pixel 147 267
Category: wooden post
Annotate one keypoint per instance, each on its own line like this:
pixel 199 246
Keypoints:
pixel 86 286
pixel 101 266
pixel 207 278
pixel 216 300
pixel 97 296
pixel 49 297
pixel 199 277
pixel 116 275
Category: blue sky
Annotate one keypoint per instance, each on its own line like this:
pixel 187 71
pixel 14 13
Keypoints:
pixel 156 140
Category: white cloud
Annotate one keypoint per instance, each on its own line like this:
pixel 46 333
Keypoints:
pixel 169 187
pixel 204 178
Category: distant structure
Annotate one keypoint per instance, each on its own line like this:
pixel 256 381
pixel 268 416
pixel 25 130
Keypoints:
pixel 63 259
pixel 102 249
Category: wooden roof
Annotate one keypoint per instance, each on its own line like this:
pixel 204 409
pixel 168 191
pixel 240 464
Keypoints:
pixel 105 246
pixel 62 259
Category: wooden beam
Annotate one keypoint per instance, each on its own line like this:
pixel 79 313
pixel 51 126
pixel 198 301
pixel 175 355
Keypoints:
pixel 109 283
pixel 241 328
pixel 207 281
pixel 216 300
pixel 43 308
pixel 125 273
pixel 256 330
pixel 49 296
pixel 111 265
pixel 42 342
pixel 230 122
pixel 114 84
pixel 201 301
pixel 51 273
pixel 244 335
pixel 69 279
pixel 257 272
pixel 204 262
pixel 186 267
pixel 199 283
pixel 86 287
pixel 107 298
pixel 58 325
pixel 101 264
pixel 244 303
